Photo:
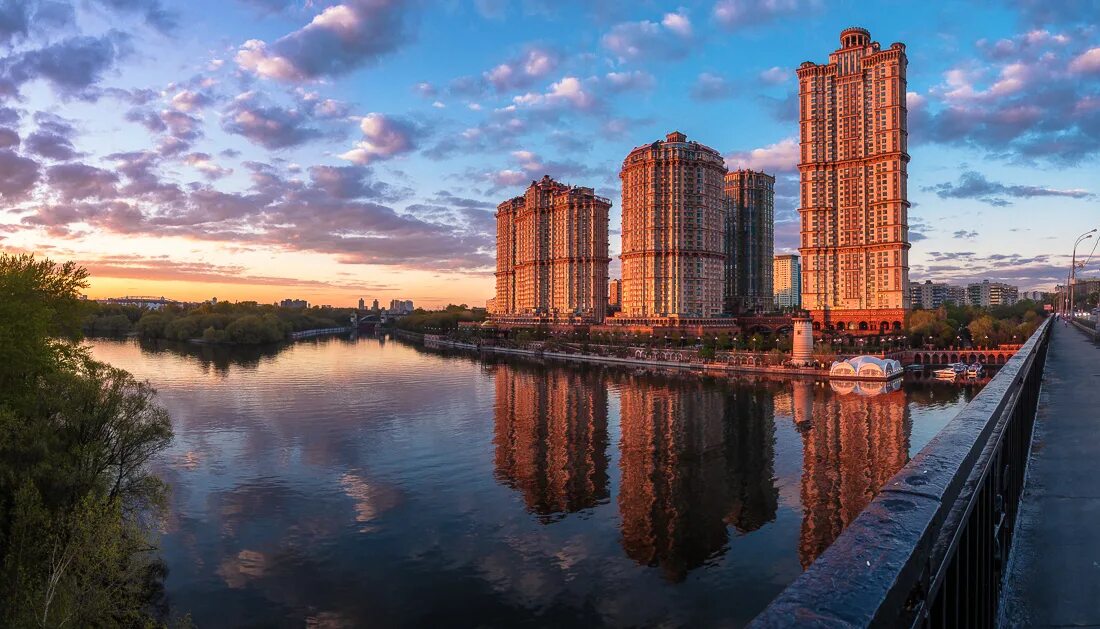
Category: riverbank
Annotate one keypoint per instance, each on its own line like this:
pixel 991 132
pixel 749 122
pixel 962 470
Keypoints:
pixel 437 342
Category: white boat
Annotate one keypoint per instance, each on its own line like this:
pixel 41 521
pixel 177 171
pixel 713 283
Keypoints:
pixel 959 368
pixel 975 371
pixel 945 374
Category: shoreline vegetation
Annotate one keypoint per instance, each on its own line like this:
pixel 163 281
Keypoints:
pixel 224 323
pixel 948 327
pixel 79 507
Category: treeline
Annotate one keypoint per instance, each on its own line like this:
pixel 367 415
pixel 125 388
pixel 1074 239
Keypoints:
pixel 78 504
pixel 421 320
pixel 240 323
pixel 952 325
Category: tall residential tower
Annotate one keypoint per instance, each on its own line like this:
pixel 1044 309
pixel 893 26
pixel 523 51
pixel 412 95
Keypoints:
pixel 788 282
pixel 854 203
pixel 674 227
pixel 750 241
pixel 552 255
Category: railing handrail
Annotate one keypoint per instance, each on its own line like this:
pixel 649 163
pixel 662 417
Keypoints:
pixel 886 564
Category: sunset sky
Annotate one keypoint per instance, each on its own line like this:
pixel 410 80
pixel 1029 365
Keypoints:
pixel 262 149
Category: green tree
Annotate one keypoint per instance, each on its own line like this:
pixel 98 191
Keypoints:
pixel 76 496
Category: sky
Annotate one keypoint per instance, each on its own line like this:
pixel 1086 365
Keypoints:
pixel 327 150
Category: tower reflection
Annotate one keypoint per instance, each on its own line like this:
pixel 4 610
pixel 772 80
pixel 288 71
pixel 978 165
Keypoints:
pixel 854 438
pixel 551 437
pixel 696 456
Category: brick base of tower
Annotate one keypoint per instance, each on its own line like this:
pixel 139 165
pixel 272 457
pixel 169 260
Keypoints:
pixel 859 322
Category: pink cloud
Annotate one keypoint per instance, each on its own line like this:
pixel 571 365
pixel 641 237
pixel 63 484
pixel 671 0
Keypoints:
pixel 1087 62
pixel 782 156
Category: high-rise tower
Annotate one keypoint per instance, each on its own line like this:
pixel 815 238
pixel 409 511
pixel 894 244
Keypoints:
pixel 854 203
pixel 552 255
pixel 750 240
pixel 674 223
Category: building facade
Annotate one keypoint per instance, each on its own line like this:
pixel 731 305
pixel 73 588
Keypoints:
pixel 930 295
pixel 853 198
pixel 750 241
pixel 674 232
pixel 615 294
pixel 787 285
pixel 990 294
pixel 552 255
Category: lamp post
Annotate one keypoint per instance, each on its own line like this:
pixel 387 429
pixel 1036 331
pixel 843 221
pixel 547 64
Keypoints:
pixel 1073 269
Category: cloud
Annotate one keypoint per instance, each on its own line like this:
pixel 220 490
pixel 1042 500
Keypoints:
pixel 71 66
pixel 205 164
pixel 524 71
pixel 776 75
pixel 677 23
pixel 964 234
pixel 670 39
pixel 270 7
pixel 383 137
pixel 18 175
pixel 268 125
pixel 529 167
pixel 188 101
pixel 52 139
pixel 351 182
pixel 1087 62
pixel 80 181
pixel 1026 103
pixel 781 157
pixel 711 87
pixel 635 80
pixel 8 138
pixel 568 93
pixel 19 18
pixel 737 14
pixel 339 40
pixel 154 13
pixel 171 268
pixel 974 185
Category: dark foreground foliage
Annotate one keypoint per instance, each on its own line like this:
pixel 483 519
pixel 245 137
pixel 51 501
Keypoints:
pixel 78 506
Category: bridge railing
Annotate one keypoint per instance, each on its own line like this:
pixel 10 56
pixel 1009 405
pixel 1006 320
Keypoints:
pixel 930 549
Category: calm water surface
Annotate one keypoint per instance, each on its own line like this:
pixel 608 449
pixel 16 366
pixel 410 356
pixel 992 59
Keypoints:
pixel 357 483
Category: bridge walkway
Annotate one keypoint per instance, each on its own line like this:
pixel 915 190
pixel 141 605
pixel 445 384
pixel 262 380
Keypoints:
pixel 1054 570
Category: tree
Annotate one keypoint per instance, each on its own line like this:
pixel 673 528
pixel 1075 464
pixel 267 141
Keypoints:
pixel 40 313
pixel 76 496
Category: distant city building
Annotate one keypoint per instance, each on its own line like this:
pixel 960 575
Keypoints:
pixel 990 294
pixel 374 305
pixel 615 294
pixel 552 255
pixel 787 286
pixel 854 200
pixel 750 241
pixel 362 304
pixel 1036 295
pixel 930 295
pixel 294 303
pixel 399 306
pixel 673 236
pixel 148 303
pixel 491 305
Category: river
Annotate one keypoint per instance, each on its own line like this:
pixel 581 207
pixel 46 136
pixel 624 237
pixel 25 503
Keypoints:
pixel 370 482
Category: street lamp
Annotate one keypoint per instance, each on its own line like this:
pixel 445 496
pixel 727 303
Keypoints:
pixel 1073 269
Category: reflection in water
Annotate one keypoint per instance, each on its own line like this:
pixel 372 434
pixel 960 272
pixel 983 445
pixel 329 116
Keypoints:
pixel 551 437
pixel 359 483
pixel 852 444
pixel 694 457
